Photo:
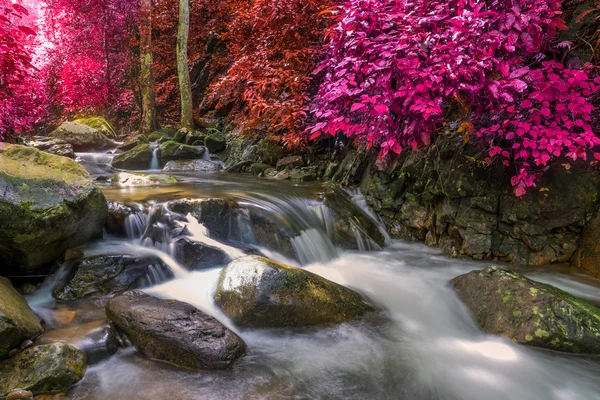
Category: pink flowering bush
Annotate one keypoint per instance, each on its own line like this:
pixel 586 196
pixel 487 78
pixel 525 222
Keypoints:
pixel 395 67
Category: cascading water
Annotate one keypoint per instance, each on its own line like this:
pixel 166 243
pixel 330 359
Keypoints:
pixel 426 347
pixel 154 163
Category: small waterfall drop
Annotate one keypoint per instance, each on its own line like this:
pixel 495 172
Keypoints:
pixel 154 162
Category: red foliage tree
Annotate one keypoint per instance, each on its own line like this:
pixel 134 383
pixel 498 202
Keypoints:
pixel 21 101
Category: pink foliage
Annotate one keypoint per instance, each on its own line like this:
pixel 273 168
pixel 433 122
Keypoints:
pixel 394 67
pixel 21 100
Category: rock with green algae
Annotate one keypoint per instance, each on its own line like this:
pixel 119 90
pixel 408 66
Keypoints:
pixel 17 321
pixel 137 158
pixel 176 332
pixel 51 368
pixel 215 143
pixel 48 204
pixel 137 180
pixel 508 304
pixel 257 292
pixel 82 137
pixel 98 123
pixel 172 150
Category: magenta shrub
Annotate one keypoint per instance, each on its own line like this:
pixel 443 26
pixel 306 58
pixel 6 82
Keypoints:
pixel 393 69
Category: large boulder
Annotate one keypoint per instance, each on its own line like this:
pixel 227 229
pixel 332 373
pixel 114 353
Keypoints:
pixel 50 368
pixel 102 275
pixel 100 124
pixel 255 291
pixel 508 304
pixel 191 166
pixel 172 150
pixel 137 158
pixel 82 137
pixel 176 332
pixel 140 179
pixel 47 205
pixel 17 321
pixel 215 143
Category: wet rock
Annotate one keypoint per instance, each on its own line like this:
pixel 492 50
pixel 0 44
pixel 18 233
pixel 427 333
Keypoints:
pixel 176 332
pixel 130 143
pixel 82 137
pixel 588 254
pixel 215 144
pixel 117 214
pixel 17 320
pixel 102 275
pixel 217 215
pixel 303 176
pixel 48 204
pixel 97 170
pixel 135 159
pixel 127 179
pixel 195 255
pixel 258 292
pixel 172 150
pixel 290 161
pixel 97 339
pixel 43 369
pixel 55 146
pixel 508 304
pixel 19 394
pixel 191 166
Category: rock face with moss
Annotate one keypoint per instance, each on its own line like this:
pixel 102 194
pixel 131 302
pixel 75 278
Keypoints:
pixel 17 321
pixel 255 291
pixel 82 137
pixel 136 159
pixel 508 304
pixel 51 368
pixel 102 275
pixel 98 123
pixel 176 332
pixel 172 150
pixel 47 205
pixel 138 179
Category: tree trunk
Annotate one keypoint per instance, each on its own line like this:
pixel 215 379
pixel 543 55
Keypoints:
pixel 148 121
pixel 185 87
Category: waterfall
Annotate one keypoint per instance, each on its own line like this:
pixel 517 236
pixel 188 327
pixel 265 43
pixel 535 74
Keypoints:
pixel 154 162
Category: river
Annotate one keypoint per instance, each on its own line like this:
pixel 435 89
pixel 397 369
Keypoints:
pixel 426 347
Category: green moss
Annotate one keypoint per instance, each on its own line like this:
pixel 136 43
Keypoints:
pixel 98 123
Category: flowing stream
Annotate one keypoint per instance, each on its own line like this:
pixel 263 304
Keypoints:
pixel 427 347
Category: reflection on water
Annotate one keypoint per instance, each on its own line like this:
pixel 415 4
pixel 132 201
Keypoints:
pixel 426 346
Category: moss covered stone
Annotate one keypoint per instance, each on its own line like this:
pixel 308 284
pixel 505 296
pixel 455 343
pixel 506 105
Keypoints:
pixel 51 368
pixel 215 143
pixel 139 179
pixel 47 205
pixel 172 150
pixel 509 304
pixel 82 137
pixel 98 123
pixel 17 321
pixel 137 158
pixel 258 292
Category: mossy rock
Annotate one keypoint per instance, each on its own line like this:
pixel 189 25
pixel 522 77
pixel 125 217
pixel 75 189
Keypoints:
pixel 100 124
pixel 215 143
pixel 172 150
pixel 192 138
pixel 82 137
pixel 139 180
pixel 48 204
pixel 181 136
pixel 17 321
pixel 255 291
pixel 132 142
pixel 51 368
pixel 137 158
pixel 103 275
pixel 259 169
pixel 508 304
